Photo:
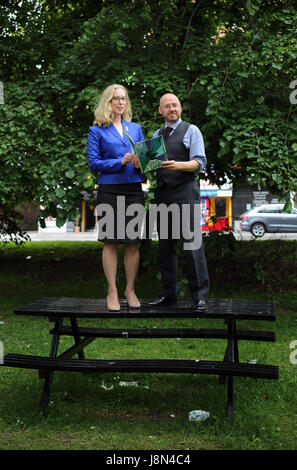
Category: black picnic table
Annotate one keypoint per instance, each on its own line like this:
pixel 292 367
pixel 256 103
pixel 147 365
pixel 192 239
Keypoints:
pixel 56 309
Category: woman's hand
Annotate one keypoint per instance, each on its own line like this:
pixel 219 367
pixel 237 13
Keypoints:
pixel 127 158
pixel 135 161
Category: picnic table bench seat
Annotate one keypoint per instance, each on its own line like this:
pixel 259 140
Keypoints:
pixel 143 365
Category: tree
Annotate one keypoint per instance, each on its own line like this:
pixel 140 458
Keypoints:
pixel 231 64
pixel 42 155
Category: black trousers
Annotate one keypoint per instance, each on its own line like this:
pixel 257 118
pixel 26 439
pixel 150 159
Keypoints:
pixel 195 259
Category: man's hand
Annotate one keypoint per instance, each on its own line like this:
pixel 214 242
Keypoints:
pixel 172 165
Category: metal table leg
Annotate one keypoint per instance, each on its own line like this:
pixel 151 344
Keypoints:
pixel 76 336
pixel 49 376
pixel 79 343
pixel 230 358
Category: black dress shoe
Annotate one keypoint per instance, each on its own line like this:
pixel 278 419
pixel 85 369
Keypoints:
pixel 201 305
pixel 161 301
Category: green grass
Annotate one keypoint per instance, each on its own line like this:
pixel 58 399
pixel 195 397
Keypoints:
pixel 154 414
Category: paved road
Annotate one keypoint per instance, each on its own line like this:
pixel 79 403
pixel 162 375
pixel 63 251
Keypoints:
pixel 56 236
pixel 92 236
pixel 268 236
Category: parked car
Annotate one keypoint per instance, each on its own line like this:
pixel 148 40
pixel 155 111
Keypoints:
pixel 268 218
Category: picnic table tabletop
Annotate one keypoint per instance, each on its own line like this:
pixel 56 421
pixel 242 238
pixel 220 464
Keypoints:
pixel 227 309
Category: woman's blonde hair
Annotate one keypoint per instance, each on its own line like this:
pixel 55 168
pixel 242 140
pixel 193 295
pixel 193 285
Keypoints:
pixel 103 112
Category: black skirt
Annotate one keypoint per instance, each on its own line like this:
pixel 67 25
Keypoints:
pixel 120 212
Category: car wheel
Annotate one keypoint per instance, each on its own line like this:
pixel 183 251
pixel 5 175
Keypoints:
pixel 258 229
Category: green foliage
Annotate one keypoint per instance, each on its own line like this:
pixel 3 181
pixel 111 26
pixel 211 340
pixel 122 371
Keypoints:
pixel 39 162
pixel 221 243
pixel 230 63
pixel 248 105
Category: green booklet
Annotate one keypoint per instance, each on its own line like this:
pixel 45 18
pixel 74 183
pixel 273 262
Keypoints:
pixel 151 153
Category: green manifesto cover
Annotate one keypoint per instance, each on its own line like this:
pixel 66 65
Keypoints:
pixel 151 153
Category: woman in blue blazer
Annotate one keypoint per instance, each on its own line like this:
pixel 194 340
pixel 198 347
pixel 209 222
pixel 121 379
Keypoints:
pixel 119 186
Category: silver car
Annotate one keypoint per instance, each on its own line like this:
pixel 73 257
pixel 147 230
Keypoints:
pixel 268 218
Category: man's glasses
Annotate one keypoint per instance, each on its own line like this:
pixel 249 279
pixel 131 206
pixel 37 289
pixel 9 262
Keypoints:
pixel 168 106
pixel 119 98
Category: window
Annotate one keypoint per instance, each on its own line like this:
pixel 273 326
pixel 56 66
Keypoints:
pixel 270 210
pixel 220 208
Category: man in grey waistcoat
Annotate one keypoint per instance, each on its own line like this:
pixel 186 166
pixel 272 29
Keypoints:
pixel 176 184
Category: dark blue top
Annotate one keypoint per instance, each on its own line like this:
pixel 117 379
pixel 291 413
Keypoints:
pixel 106 148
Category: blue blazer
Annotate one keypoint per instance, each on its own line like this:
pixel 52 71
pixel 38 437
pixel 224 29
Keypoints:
pixel 106 148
